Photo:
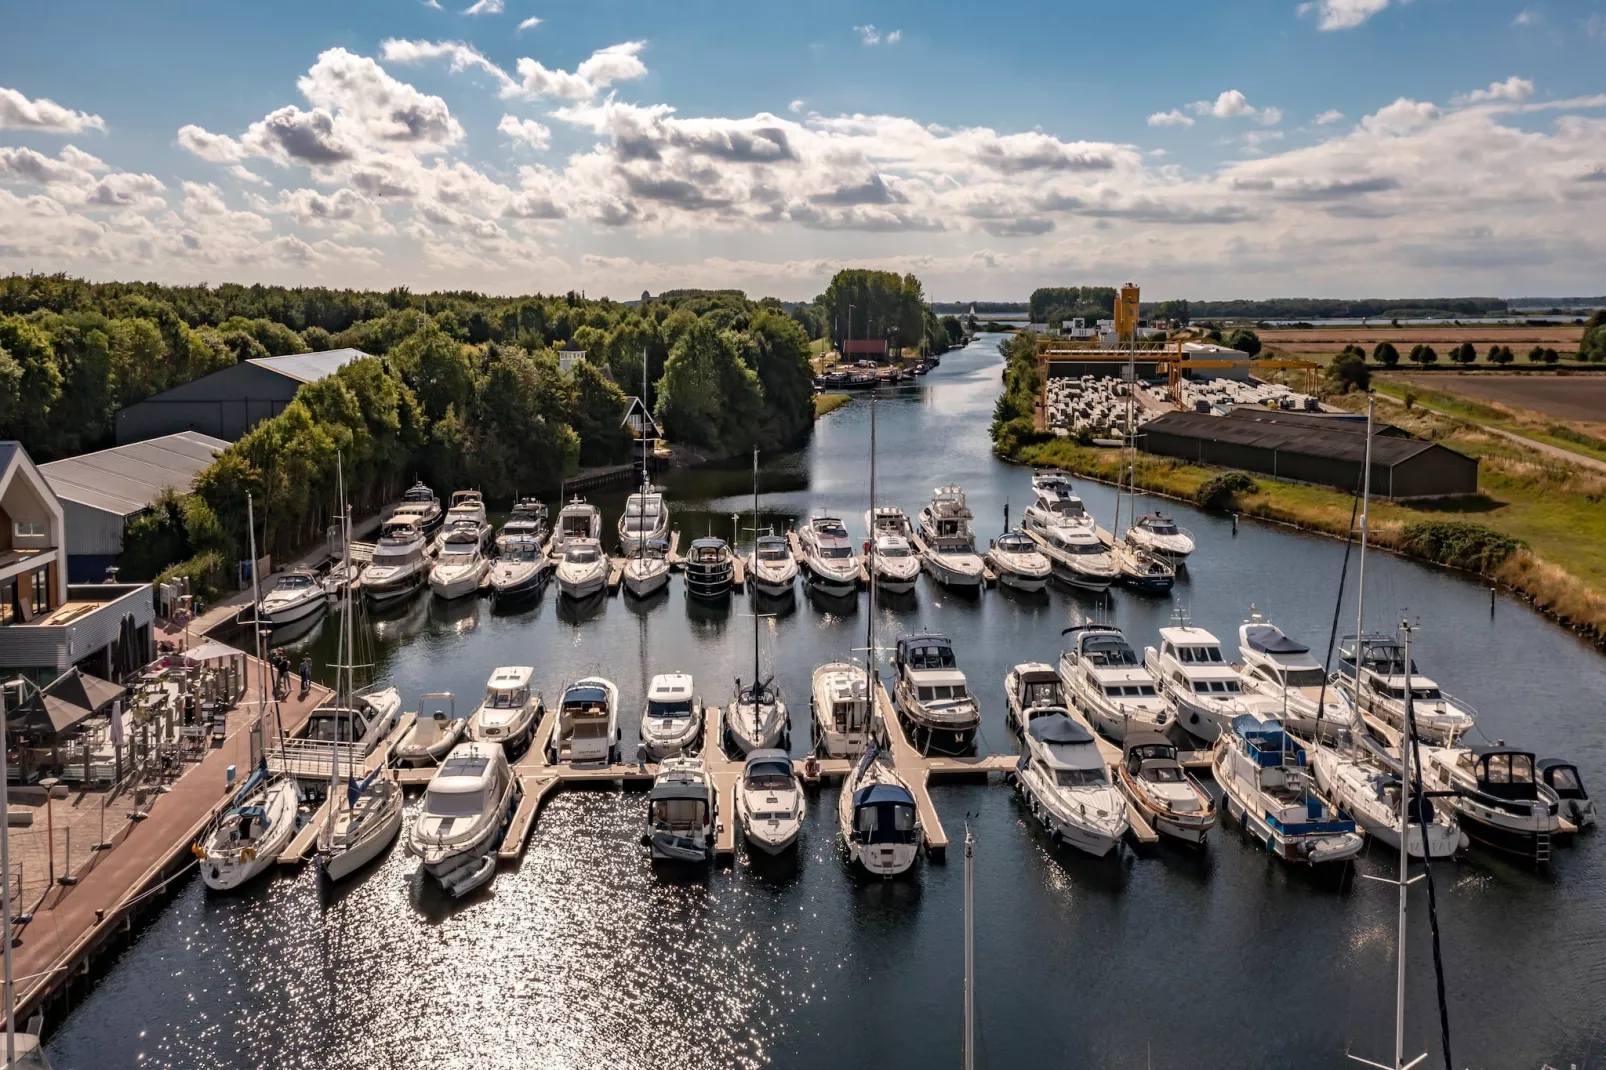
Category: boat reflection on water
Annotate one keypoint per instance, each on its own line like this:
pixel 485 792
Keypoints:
pixel 644 606
pixel 708 616
pixel 403 619
pixel 580 610
pixel 774 605
pixel 299 633
pixel 460 615
pixel 837 606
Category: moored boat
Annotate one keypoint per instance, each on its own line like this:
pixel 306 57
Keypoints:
pixel 250 833
pixel 710 568
pixel 829 563
pixel 295 595
pixel 509 711
pixel 950 544
pixel 1067 786
pixel 465 813
pixel 1167 797
pixel 1017 562
pixel 1498 796
pixel 588 723
pixel 840 705
pixel 673 718
pixel 1105 681
pixel 434 733
pixel 932 696
pixel 682 812
pixel 877 817
pixel 770 802
pixel 1268 788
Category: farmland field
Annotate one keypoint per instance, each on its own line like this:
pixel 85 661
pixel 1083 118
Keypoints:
pixel 1321 343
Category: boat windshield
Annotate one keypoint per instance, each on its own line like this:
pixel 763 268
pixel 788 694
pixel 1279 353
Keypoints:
pixel 1199 655
pixel 454 803
pixel 1016 544
pixel 581 555
pixel 1108 650
pixel 885 823
pixel 893 551
pixel 771 776
pixel 941 694
pixel 680 813
pixel 1311 677
pixel 1090 546
pixel 1564 779
pixel 394 554
pixel 1216 687
pixel 771 552
pixel 1162 774
pixel 294 582
pixel 836 551
pixel 1079 778
pixel 1510 769
pixel 930 656
pixel 1160 525
pixel 577 526
pixel 505 699
pixel 1065 506
pixel 458 550
pixel 1128 690
pixel 677 708
pixel 1042 693
pixel 520 554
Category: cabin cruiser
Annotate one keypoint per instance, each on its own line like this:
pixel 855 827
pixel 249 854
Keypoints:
pixel 645 519
pixel 892 561
pixel 1206 692
pixel 758 716
pixel 769 801
pixel 1370 793
pixel 841 709
pixel 829 563
pixel 673 718
pixel 460 564
pixel 251 832
pixel 710 568
pixel 588 723
pixel 771 568
pixel 1142 569
pixel 468 506
pixel 400 562
pixel 1066 784
pixel 1276 666
pixel 577 520
pixel 527 520
pixel 1380 692
pixel 950 550
pixel 367 723
pixel 931 694
pixel 1268 788
pixel 647 571
pixel 509 711
pixel 1057 480
pixel 295 595
pixel 1031 690
pixel 1563 779
pixel 582 569
pixel 1069 537
pixel 1159 534
pixel 877 817
pixel 1017 562
pixel 681 812
pixel 465 814
pixel 1170 800
pixel 420 503
pixel 520 568
pixel 435 731
pixel 1497 795
pixel 1104 679
pixel 363 820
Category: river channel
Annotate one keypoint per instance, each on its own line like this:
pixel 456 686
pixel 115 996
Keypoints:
pixel 583 956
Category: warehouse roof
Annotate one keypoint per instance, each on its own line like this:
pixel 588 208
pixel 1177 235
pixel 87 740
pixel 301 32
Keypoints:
pixel 1320 441
pixel 1349 422
pixel 127 479
pixel 309 367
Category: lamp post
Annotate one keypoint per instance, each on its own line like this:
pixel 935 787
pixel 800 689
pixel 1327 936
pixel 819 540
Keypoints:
pixel 49 784
pixel 5 885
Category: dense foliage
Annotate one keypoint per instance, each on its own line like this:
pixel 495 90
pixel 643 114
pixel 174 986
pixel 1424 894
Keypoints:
pixel 1458 543
pixel 1221 492
pixel 1055 304
pixel 1593 344
pixel 1013 424
pixel 861 303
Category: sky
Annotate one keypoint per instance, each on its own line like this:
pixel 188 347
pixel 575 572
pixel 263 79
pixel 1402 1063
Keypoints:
pixel 1256 149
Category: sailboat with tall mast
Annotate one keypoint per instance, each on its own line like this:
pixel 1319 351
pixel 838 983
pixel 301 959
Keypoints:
pixel 647 571
pixel 771 568
pixel 758 717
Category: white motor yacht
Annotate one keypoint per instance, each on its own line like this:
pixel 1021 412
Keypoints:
pixel 400 562
pixel 1104 679
pixel 460 564
pixel 582 569
pixel 950 545
pixel 1017 562
pixel 1031 690
pixel 1055 479
pixel 1284 670
pixel 1206 692
pixel 647 571
pixel 1370 794
pixel 465 813
pixel 892 562
pixel 841 709
pixel 758 718
pixel 1068 536
pixel 526 520
pixel 710 568
pixel 420 503
pixel 251 832
pixel 829 563
pixel 932 696
pixel 1159 534
pixel 360 727
pixel 520 569
pixel 467 506
pixel 877 817
pixel 1066 784
pixel 435 731
pixel 1380 691
pixel 1498 797
pixel 509 711
pixel 673 718
pixel 577 520
pixel 770 802
pixel 682 818
pixel 1172 802
pixel 588 723
pixel 1268 788
pixel 771 568
pixel 645 519
pixel 295 595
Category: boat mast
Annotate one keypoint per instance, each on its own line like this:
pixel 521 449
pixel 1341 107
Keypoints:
pixel 344 646
pixel 1360 579
pixel 970 954
pixel 641 548
pixel 750 580
pixel 869 622
pixel 256 625
pixel 1405 856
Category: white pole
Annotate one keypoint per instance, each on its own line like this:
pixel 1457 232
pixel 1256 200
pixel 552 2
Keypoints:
pixel 1405 783
pixel 5 879
pixel 970 955
pixel 1360 581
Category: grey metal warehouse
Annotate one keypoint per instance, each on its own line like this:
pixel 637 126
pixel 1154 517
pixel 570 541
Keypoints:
pixel 231 401
pixel 101 492
pixel 1327 455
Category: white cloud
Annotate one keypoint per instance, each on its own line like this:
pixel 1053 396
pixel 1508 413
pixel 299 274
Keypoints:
pixel 795 107
pixel 616 63
pixel 1232 104
pixel 17 112
pixel 245 174
pixel 484 7
pixel 1529 16
pixel 460 57
pixel 1513 89
pixel 1329 117
pixel 527 131
pixel 894 37
pixel 1342 14
pixel 529 24
pixel 1595 26
pixel 604 67
pixel 217 148
pixel 869 35
pixel 436 4
pixel 1170 118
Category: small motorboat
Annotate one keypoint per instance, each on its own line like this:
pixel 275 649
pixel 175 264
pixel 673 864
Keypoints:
pixel 252 831
pixel 681 812
pixel 647 571
pixel 582 569
pixel 520 569
pixel 710 568
pixel 1169 799
pixel 460 564
pixel 1066 784
pixel 509 711
pixel 588 723
pixel 1268 788
pixel 1498 797
pixel 1032 689
pixel 1159 534
pixel 772 568
pixel 841 708
pixel 769 800
pixel 465 814
pixel 673 718
pixel 950 544
pixel 1563 779
pixel 295 595
pixel 1142 569
pixel 526 520
pixel 932 696
pixel 877 817
pixel 1017 562
pixel 435 731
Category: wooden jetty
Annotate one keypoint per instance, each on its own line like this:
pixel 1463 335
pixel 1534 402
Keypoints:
pixel 739 571
pixel 616 573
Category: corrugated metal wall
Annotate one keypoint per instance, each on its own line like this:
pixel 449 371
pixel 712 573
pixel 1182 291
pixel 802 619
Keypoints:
pixel 91 530
pixel 225 404
pixel 1433 473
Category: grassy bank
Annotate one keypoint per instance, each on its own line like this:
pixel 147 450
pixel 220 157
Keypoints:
pixel 824 403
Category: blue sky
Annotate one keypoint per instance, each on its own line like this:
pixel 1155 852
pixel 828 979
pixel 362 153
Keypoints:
pixel 1339 147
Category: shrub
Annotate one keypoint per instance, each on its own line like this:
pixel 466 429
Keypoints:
pixel 206 573
pixel 1536 354
pixel 1220 492
pixel 1016 434
pixel 1459 543
pixel 1386 355
pixel 1551 356
pixel 1349 371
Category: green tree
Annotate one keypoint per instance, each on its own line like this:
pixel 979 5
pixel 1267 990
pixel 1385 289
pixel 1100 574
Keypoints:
pixel 1385 354
pixel 1551 356
pixel 1429 356
pixel 709 397
pixel 597 413
pixel 317 340
pixel 437 368
pixel 776 348
pixel 1245 341
pixel 30 381
pixel 1503 355
pixel 1348 371
pixel 1465 353
pixel 1536 354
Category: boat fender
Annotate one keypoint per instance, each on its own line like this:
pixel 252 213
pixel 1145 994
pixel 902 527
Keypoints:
pixel 646 840
pixel 1012 780
pixel 248 854
pixel 1057 837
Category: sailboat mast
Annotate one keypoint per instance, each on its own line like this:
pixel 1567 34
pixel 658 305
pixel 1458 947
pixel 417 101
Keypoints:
pixel 1360 580
pixel 1405 858
pixel 970 954
pixel 750 579
pixel 869 622
pixel 256 625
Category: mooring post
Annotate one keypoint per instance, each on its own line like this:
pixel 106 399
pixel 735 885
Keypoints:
pixel 1235 525
pixel 1491 600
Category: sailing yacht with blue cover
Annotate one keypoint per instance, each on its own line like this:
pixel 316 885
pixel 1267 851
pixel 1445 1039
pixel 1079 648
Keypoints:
pixel 251 833
pixel 1270 790
pixel 877 815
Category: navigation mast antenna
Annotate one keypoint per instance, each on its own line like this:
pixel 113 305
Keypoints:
pixel 1360 575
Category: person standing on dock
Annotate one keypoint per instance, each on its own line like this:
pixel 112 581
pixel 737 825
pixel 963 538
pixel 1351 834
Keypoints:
pixel 306 673
pixel 282 665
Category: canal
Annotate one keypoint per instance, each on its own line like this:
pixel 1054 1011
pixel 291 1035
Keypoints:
pixel 583 956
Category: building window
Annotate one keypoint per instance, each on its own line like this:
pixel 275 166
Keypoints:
pixel 41 590
pixel 8 602
pixel 24 529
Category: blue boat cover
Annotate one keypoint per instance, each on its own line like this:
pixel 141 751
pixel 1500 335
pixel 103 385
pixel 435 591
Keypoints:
pixel 1058 728
pixel 883 793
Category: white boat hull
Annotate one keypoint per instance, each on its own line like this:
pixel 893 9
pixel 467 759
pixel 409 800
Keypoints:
pixel 644 582
pixel 229 865
pixel 457 583
pixel 954 570
pixel 343 862
pixel 580 586
pixel 278 615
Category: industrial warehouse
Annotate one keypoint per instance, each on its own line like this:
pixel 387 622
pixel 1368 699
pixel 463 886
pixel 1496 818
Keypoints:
pixel 1329 451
